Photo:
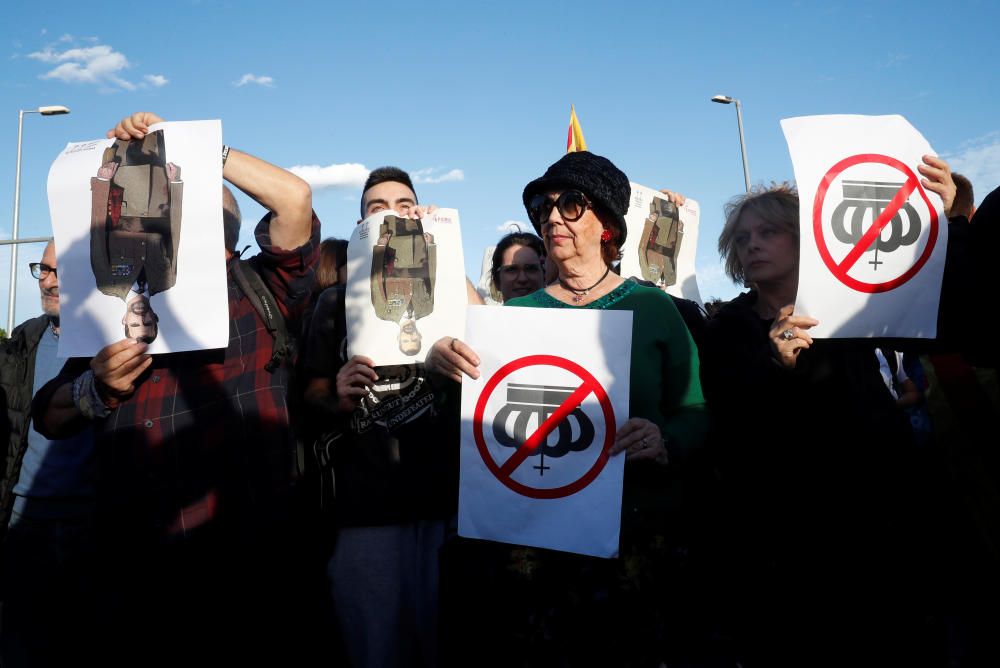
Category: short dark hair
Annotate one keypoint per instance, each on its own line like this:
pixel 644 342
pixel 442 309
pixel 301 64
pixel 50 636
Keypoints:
pixel 514 239
pixel 231 219
pixel 965 198
pixel 383 174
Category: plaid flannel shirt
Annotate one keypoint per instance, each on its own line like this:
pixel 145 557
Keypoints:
pixel 206 439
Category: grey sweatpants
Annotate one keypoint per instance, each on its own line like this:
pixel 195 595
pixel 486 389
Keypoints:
pixel 385 592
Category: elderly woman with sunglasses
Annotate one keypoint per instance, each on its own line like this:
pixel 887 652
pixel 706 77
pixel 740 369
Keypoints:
pixel 578 207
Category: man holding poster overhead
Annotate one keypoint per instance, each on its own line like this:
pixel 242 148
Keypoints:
pixel 196 456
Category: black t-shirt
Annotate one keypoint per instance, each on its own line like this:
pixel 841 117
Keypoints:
pixel 395 457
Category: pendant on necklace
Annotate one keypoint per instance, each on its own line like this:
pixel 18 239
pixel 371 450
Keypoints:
pixel 578 298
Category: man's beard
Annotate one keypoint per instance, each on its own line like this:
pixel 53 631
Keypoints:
pixel 51 310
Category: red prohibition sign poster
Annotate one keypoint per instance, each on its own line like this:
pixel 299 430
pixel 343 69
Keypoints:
pixel 568 403
pixel 889 202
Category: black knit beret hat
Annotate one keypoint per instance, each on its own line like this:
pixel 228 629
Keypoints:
pixel 595 176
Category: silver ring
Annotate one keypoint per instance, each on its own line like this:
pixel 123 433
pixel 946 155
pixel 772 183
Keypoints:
pixel 452 345
pixel 788 335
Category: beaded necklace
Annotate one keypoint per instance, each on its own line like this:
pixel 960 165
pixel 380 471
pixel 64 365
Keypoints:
pixel 578 295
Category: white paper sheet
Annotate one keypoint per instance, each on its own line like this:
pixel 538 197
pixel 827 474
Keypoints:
pixel 101 246
pixel 852 171
pixel 565 494
pixel 405 286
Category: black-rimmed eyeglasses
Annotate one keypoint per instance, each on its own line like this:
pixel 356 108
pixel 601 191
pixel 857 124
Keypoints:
pixel 40 271
pixel 572 204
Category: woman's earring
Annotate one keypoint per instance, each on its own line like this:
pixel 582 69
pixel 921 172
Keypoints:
pixel 605 236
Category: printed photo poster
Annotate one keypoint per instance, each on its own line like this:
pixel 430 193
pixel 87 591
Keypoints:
pixel 872 239
pixel 405 285
pixel 538 424
pixel 139 240
pixel 661 242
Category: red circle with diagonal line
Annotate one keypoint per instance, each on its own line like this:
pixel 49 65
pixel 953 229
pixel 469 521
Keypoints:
pixel 837 268
pixel 588 381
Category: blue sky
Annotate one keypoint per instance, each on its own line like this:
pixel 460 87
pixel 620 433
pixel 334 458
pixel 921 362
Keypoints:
pixel 474 98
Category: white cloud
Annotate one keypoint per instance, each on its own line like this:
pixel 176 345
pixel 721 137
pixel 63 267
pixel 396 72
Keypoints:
pixel 513 226
pixel 99 65
pixel 254 79
pixel 346 175
pixel 979 160
pixel 90 65
pixel 427 175
pixel 353 175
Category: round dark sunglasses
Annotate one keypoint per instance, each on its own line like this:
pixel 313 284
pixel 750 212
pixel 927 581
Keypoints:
pixel 572 204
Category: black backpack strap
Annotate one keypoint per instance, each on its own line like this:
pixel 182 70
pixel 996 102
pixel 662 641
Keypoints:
pixel 253 287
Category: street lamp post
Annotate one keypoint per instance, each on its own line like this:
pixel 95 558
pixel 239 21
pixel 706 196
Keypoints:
pixel 725 99
pixel 55 110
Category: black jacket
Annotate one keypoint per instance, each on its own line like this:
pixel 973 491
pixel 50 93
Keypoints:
pixel 17 377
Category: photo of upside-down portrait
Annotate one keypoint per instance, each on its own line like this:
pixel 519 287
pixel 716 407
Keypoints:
pixel 661 242
pixel 121 210
pixel 135 228
pixel 406 284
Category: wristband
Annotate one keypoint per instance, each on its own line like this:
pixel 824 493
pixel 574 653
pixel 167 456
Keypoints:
pixel 86 399
pixel 225 154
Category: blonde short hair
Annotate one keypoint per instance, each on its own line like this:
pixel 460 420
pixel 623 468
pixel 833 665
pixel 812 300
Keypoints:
pixel 777 204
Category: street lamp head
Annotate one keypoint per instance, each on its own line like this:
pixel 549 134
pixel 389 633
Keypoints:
pixel 54 110
pixel 723 99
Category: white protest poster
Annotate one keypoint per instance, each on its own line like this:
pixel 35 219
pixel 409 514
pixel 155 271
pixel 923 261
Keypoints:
pixel 139 240
pixel 872 239
pixel 485 285
pixel 405 285
pixel 538 424
pixel 661 242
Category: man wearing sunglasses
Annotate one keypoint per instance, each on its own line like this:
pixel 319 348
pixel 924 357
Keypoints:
pixel 46 500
